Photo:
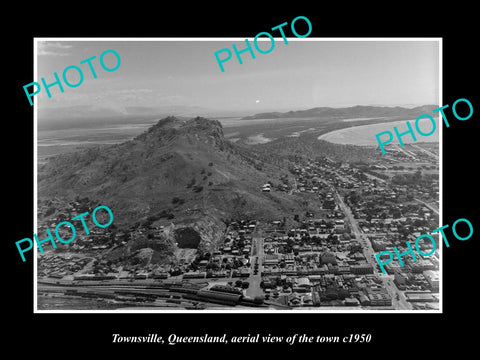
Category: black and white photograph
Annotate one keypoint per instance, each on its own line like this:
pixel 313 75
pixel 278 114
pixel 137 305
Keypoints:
pixel 258 188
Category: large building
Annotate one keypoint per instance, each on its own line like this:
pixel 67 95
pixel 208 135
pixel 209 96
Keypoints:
pixel 328 258
pixel 421 265
pixel 379 299
pixel 362 269
pixel 400 277
pixel 433 279
pixel 392 267
pixel 379 245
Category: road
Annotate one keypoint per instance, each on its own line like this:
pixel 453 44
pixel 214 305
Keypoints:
pixel 405 152
pixel 375 177
pixel 428 206
pixel 254 288
pixel 368 251
pixel 348 213
pixel 435 156
pixel 401 303
pixel 359 236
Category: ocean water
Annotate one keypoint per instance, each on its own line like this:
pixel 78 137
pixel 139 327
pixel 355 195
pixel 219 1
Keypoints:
pixel 365 134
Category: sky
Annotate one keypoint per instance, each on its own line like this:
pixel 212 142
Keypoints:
pixel 302 74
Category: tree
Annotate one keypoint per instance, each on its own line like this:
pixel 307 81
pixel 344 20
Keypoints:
pixel 176 272
pixel 212 266
pixel 258 300
pixel 353 197
pixel 333 238
pixel 178 200
pixel 396 213
pixel 191 183
pixel 197 188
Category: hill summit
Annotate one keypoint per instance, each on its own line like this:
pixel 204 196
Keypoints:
pixel 171 128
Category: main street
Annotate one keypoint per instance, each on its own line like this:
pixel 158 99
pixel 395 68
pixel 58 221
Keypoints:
pixel 401 303
pixel 348 213
pixel 393 291
pixel 435 210
pixel 257 255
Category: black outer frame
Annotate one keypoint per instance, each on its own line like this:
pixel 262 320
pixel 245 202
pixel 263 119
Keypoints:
pixel 410 334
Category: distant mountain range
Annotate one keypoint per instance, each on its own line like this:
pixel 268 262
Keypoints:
pixel 348 112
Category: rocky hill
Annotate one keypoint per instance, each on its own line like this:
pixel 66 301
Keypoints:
pixel 183 170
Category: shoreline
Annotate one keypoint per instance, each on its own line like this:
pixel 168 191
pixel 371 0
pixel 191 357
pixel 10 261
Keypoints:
pixel 364 135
